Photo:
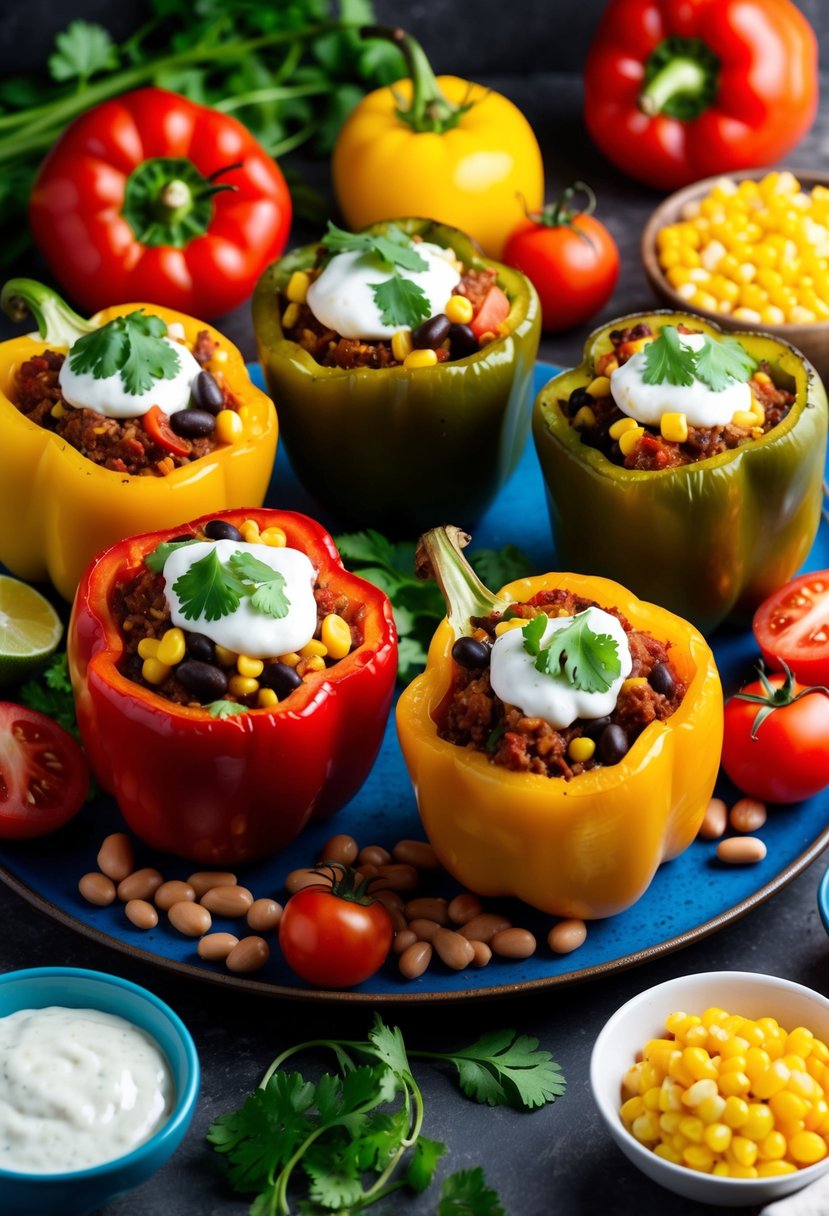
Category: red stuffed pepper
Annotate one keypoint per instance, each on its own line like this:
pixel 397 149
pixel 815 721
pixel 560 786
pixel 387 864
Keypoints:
pixel 214 752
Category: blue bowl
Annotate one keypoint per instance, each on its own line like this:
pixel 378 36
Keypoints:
pixel 823 900
pixel 79 1192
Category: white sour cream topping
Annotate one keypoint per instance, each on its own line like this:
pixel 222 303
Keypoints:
pixel 110 398
pixel 342 297
pixel 77 1087
pixel 247 631
pixel 700 404
pixel 516 681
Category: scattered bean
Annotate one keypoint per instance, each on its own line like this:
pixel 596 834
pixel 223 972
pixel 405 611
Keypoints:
pixel 304 877
pixel 208 395
pixel 481 928
pixel 398 920
pixel 220 529
pixel 741 850
pixel 714 820
pixel 173 892
pixel 280 678
pixel 424 929
pixel 464 907
pixel 455 951
pixel 481 954
pixel 472 654
pixel 415 960
pixel 227 901
pixel 193 424
pixel 368 871
pixel 431 909
pixel 141 884
pixel 748 815
pixel 190 919
pixel 462 340
pixel 200 647
pixel 513 943
pixel 115 856
pixel 661 680
pixel 593 727
pixel 404 939
pixel 399 877
pixel 567 936
pixel 215 947
pixel 374 855
pixel 203 680
pixel 264 915
pixel 203 880
pixel 97 889
pixel 249 954
pixel 342 848
pixel 142 914
pixel 392 899
pixel 417 853
pixel 613 744
pixel 431 333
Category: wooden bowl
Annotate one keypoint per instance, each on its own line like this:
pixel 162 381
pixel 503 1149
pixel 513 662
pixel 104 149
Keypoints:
pixel 812 339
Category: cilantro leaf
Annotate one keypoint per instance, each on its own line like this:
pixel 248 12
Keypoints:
pixel 51 693
pixel 225 709
pixel 393 248
pixel 155 560
pixel 423 1164
pixel 534 631
pixel 505 1068
pixel 388 1045
pixel 466 1194
pixel 208 589
pixel 83 49
pixel 267 590
pixel 401 302
pixel 261 1137
pixel 590 660
pixel 495 567
pixel 133 346
pixel 667 360
pixel 722 362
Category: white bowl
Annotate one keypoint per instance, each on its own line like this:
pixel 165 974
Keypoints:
pixel 643 1018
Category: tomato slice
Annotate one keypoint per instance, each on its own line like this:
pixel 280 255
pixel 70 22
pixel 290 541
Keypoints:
pixel 493 311
pixel 157 426
pixel 44 775
pixel 792 627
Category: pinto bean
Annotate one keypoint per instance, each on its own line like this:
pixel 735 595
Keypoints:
pixel 417 853
pixel 173 892
pixel 215 947
pixel 484 926
pixel 141 884
pixel 141 914
pixel 97 889
pixel 203 880
pixel 189 918
pixel 227 901
pixel 748 815
pixel 455 951
pixel 741 850
pixel 115 856
pixel 415 960
pixel 464 907
pixel 341 848
pixel 249 954
pixel 715 820
pixel 513 943
pixel 431 909
pixel 567 935
pixel 264 915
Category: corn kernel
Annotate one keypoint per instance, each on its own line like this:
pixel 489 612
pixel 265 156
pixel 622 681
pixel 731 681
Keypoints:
pixel 706 1087
pixel 807 1147
pixel 670 1097
pixel 290 316
pixel 315 663
pixel 669 1122
pixel 420 358
pixel 800 1040
pixel 633 682
pixel 297 289
pixel 581 750
pixel 630 440
pixel 600 387
pixel 774 1079
pixel 314 647
pixel 742 1151
pixel 247 666
pixel 229 426
pixel 734 1084
pixel 290 659
pixel 745 419
pixel 171 649
pixel 667 1153
pixel 273 536
pixel 632 1109
pixel 732 1064
pixel 505 626
pixel 584 417
pixel 651 1097
pixel 148 648
pixel 692 1128
pixel 242 686
pixel 617 429
pixel 774 1169
pixel 250 531
pixel 674 427
pixel 459 310
pixel 742 1171
pixel 336 635
pixel 759 1123
pixel 711 1109
pixel 58 410
pixel 401 345
pixel 699 1157
pixel 154 672
pixel 266 698
pixel 717 1136
pixel 226 657
pixel 786 1106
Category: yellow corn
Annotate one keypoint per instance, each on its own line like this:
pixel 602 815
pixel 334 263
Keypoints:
pixel 745 419
pixel 504 626
pixel 171 648
pixel 335 634
pixel 315 647
pixel 250 532
pixel 630 439
pixel 581 750
pixel 266 698
pixel 58 410
pixel 315 663
pixel 600 387
pixel 401 344
pixel 242 686
pixel 459 310
pixel 297 289
pixel 584 417
pixel 634 682
pixel 618 428
pixel 154 672
pixel 420 358
pixel 290 659
pixel 148 648
pixel 247 666
pixel 226 657
pixel 229 426
pixel 274 537
pixel 290 316
pixel 674 427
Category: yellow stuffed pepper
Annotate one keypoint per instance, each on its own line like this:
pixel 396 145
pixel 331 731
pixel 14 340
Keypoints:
pixel 576 821
pixel 130 422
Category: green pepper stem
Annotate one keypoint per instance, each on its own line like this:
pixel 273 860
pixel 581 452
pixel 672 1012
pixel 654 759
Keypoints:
pixel 681 78
pixel 56 321
pixel 430 109
pixel 440 554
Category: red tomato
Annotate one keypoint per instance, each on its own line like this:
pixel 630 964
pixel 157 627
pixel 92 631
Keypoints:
pixel 570 258
pixel 43 774
pixel 332 941
pixel 789 758
pixel 792 627
pixel 157 426
pixel 493 310
pixel 151 197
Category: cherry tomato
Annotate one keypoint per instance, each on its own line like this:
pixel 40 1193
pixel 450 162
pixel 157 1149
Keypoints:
pixel 493 310
pixel 792 626
pixel 789 758
pixel 334 940
pixel 157 426
pixel 43 774
pixel 569 256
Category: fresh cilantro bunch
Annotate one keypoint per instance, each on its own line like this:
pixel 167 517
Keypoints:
pixel 400 301
pixel 50 693
pixel 589 660
pixel 717 363
pixel 212 588
pixel 355 1136
pixel 132 346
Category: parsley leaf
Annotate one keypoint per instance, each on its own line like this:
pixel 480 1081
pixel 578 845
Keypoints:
pixel 225 709
pixel 155 560
pixel 721 362
pixel 401 302
pixel 590 660
pixel 667 360
pixel 132 345
pixel 466 1194
pixel 208 589
pixel 267 586
pixel 83 49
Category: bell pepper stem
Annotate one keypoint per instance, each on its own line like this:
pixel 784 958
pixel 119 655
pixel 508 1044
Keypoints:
pixel 56 321
pixel 681 79
pixel 440 556
pixel 429 110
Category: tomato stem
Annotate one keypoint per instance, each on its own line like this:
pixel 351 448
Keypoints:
pixel 775 698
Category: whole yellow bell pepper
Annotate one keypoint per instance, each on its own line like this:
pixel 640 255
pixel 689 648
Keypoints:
pixel 60 509
pixel 587 847
pixel 454 152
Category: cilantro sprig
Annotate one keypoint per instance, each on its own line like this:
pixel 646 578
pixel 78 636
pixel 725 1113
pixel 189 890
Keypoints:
pixel 355 1136
pixel 132 346
pixel 212 588
pixel 716 363
pixel 589 660
pixel 400 301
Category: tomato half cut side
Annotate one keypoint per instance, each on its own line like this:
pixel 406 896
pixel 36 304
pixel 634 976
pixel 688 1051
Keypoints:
pixel 792 627
pixel 44 775
pixel 157 425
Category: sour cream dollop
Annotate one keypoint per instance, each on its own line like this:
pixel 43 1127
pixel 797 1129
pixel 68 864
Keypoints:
pixel 109 397
pixel 248 631
pixel 516 680
pixel 77 1087
pixel 700 404
pixel 341 297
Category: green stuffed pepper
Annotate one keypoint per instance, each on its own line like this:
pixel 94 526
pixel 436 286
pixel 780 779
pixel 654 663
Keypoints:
pixel 653 480
pixel 404 393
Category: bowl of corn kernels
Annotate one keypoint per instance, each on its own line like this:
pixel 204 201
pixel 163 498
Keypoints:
pixel 716 1085
pixel 748 251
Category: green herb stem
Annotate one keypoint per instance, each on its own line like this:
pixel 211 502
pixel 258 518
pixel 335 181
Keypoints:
pixel 278 93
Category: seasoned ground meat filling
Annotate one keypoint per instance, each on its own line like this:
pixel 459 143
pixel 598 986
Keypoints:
pixel 474 717
pixel 122 445
pixel 653 452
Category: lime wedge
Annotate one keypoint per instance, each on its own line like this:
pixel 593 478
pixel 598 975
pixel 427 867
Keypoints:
pixel 30 630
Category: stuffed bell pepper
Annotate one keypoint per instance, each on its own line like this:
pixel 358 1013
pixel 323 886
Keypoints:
pixel 134 420
pixel 564 739
pixel 231 680
pixel 684 463
pixel 402 363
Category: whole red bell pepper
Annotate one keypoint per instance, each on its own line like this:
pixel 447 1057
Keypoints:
pixel 677 90
pixel 149 196
pixel 221 790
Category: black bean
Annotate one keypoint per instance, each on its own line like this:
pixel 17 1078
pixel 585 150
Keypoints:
pixel 193 424
pixel 577 399
pixel 431 333
pixel 593 727
pixel 661 679
pixel 462 341
pixel 281 678
pixel 470 653
pixel 642 330
pixel 220 529
pixel 203 680
pixel 200 647
pixel 613 744
pixel 615 335
pixel 207 393
pixel 182 536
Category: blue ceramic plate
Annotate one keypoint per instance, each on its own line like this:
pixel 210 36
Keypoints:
pixel 823 900
pixel 689 898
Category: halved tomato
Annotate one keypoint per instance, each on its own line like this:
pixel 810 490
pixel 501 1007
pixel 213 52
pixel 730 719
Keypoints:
pixel 44 775
pixel 493 310
pixel 792 627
